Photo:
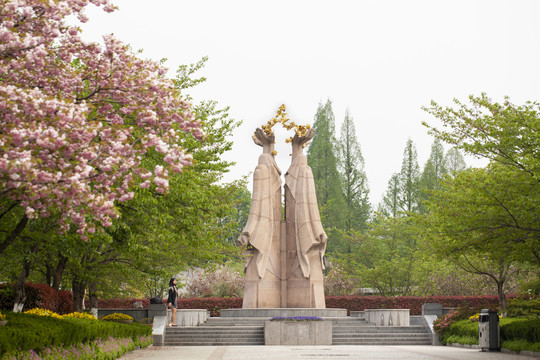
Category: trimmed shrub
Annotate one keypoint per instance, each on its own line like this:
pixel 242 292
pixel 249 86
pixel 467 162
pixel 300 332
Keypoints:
pixel 461 331
pixel 520 307
pixel 31 332
pixel 520 329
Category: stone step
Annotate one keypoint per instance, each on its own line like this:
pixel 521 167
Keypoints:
pixel 214 334
pixel 214 343
pixel 381 342
pixel 380 335
pixel 210 330
pixel 379 329
pixel 250 331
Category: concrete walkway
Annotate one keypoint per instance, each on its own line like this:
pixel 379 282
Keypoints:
pixel 317 352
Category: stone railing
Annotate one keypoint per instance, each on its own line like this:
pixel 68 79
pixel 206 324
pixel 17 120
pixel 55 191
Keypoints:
pixel 188 317
pixel 388 317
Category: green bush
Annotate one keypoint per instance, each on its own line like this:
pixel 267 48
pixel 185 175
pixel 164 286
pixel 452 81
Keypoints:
pixel 520 345
pixel 462 332
pixel 31 332
pixel 517 334
pixel 520 307
pixel 520 329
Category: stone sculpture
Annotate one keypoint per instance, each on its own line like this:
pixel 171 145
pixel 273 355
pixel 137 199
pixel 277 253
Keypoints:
pixel 284 261
pixel 261 233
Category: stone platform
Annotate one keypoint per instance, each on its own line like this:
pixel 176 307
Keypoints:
pixel 283 312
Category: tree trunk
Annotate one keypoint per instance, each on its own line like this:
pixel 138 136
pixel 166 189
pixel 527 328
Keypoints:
pixel 57 275
pixel 93 298
pixel 78 288
pixel 502 297
pixel 14 234
pixel 20 291
pixel 48 273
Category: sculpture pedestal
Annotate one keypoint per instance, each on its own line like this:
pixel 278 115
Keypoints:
pixel 297 333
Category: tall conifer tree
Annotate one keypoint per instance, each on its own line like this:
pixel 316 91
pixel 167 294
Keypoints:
pixel 433 172
pixel 354 180
pixel 390 205
pixel 321 157
pixel 409 179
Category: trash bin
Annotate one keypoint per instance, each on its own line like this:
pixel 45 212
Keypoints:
pixel 489 331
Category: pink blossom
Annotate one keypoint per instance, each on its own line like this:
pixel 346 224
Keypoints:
pixel 63 146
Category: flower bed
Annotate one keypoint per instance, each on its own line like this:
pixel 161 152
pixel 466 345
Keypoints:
pixel 29 332
pixel 296 318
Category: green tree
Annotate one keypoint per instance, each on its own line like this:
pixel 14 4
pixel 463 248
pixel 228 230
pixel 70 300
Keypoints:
pixel 433 173
pixel 493 210
pixel 384 257
pixel 321 157
pixel 409 179
pixel 156 235
pixel 454 161
pixel 390 204
pixel 354 180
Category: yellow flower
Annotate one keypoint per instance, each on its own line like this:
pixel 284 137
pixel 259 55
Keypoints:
pixel 2 317
pixel 274 152
pixel 43 312
pixel 78 315
pixel 117 316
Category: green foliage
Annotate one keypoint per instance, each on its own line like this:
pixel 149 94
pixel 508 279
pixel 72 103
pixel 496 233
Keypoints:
pixel 156 236
pixel 531 287
pixel 410 179
pixel 450 323
pixel 433 173
pixel 520 329
pixel 353 177
pixel 30 332
pixel 383 257
pixel 520 345
pixel 521 307
pixel 494 209
pixel 517 334
pixel 321 157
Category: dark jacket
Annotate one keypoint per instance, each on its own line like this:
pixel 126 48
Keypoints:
pixel 173 296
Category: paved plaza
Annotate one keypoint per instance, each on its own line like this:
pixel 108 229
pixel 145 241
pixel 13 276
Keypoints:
pixel 317 352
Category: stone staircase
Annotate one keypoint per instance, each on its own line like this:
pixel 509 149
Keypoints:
pixel 250 331
pixel 356 331
pixel 218 331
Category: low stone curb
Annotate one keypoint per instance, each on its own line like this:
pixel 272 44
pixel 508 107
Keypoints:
pixel 503 350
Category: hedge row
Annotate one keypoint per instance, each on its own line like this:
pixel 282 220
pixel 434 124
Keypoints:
pixel 512 329
pixel 43 296
pixel 38 296
pixel 351 303
pixel 521 329
pixel 32 332
pixel 413 303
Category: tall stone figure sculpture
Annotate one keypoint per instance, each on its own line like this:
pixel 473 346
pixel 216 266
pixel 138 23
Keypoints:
pixel 262 231
pixel 306 239
pixel 284 257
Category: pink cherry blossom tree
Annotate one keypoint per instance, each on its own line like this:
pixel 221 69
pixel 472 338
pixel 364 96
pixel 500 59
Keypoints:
pixel 77 118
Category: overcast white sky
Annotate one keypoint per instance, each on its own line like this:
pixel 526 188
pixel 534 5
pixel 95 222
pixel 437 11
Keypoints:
pixel 383 60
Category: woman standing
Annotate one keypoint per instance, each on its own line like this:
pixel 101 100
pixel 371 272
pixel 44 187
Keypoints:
pixel 172 301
